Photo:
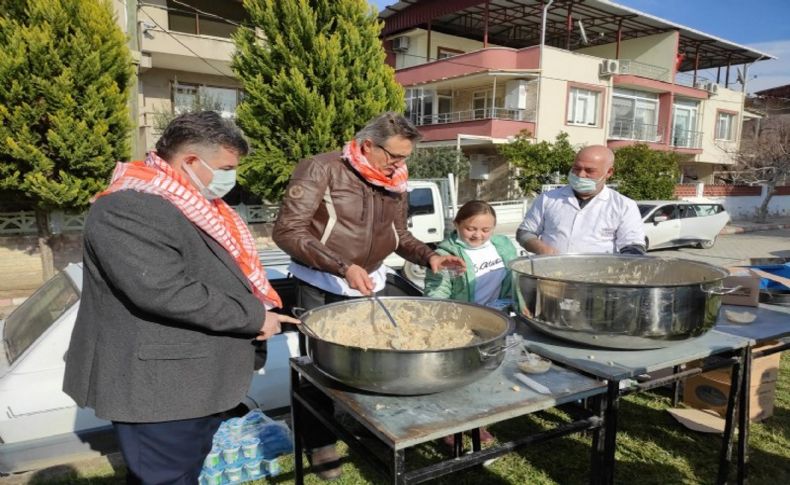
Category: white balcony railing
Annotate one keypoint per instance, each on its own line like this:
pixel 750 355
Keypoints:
pixel 475 114
pixel 686 139
pixel 634 130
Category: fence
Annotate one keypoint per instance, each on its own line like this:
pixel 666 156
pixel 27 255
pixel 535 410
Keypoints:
pixel 24 222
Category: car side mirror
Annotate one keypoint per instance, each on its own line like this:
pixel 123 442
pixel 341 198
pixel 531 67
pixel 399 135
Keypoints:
pixel 658 219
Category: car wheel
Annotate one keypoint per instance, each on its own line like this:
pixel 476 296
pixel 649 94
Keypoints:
pixel 414 273
pixel 707 244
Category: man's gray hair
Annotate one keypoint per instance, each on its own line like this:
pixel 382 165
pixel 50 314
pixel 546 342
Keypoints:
pixel 386 125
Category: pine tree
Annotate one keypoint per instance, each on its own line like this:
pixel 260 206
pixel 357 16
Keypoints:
pixel 64 77
pixel 313 73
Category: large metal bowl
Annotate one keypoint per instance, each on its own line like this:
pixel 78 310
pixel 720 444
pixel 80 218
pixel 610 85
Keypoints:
pixel 617 301
pixel 408 372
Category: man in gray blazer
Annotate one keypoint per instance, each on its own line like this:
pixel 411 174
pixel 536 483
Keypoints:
pixel 173 300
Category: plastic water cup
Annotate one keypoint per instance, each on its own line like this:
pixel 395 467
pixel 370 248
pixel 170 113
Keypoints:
pixel 235 428
pixel 249 447
pixel 452 271
pixel 253 469
pixel 230 454
pixel 212 459
pixel 212 477
pixel 233 474
pixel 272 467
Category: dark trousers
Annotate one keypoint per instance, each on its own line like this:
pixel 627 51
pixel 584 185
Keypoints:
pixel 170 452
pixel 315 434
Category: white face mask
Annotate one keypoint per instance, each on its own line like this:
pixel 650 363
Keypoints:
pixel 582 185
pixel 222 181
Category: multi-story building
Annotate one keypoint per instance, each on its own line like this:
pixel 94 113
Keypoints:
pixel 183 49
pixel 477 73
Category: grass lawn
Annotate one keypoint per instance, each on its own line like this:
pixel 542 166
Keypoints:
pixel 652 448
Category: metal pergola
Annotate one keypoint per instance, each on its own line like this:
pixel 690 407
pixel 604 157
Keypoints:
pixel 570 24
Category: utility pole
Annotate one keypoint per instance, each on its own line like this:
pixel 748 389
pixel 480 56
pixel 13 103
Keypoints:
pixel 133 42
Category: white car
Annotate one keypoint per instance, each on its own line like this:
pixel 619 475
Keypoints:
pixel 40 425
pixel 673 223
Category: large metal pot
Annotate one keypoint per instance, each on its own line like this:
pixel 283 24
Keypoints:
pixel 408 372
pixel 617 301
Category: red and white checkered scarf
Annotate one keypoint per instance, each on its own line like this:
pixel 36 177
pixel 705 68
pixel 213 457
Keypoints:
pixel 395 183
pixel 214 217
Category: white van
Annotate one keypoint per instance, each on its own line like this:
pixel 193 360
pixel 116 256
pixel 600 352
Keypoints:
pixel 673 223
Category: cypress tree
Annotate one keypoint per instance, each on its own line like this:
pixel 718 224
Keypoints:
pixel 64 76
pixel 313 73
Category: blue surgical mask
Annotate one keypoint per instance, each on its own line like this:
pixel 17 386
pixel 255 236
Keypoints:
pixel 222 181
pixel 582 185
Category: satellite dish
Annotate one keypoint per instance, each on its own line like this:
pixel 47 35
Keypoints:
pixel 583 33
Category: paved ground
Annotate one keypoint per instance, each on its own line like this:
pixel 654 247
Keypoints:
pixel 737 249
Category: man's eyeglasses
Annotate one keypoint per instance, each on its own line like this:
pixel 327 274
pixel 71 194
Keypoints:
pixel 393 156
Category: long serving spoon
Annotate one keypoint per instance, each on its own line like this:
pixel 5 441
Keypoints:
pixel 399 342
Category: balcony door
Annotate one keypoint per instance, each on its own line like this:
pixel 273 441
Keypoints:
pixel 684 124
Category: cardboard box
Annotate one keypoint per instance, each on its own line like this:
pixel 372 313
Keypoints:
pixel 749 292
pixel 703 392
pixel 711 389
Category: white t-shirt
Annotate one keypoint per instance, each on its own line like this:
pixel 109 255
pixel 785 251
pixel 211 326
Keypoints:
pixel 608 223
pixel 489 271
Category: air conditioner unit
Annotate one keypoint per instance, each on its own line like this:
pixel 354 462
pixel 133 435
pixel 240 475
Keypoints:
pixel 400 44
pixel 609 67
pixel 712 88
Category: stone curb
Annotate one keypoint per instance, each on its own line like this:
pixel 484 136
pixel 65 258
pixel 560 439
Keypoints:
pixel 753 228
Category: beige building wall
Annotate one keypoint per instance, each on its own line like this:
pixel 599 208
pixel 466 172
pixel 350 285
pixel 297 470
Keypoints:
pixel 657 50
pixel 418 47
pixel 720 151
pixel 157 96
pixel 561 67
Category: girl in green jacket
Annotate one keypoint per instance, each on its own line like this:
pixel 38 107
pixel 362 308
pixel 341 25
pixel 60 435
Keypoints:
pixel 486 280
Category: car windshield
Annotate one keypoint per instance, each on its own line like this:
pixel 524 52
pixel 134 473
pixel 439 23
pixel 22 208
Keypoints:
pixel 644 209
pixel 31 319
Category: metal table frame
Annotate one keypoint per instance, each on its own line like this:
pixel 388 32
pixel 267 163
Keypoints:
pixel 616 366
pixel 772 322
pixel 306 380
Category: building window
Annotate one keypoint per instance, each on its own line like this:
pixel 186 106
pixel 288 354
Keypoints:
pixel 445 52
pixel 205 17
pixel 634 115
pixel 725 123
pixel 194 97
pixel 583 107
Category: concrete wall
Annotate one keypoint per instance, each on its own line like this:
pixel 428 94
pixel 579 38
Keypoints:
pixel 418 47
pixel 561 67
pixel 156 96
pixel 720 151
pixel 657 50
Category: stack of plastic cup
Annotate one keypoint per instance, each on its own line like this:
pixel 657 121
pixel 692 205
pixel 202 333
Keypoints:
pixel 246 449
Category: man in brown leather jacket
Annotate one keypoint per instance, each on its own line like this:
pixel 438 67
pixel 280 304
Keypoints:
pixel 343 213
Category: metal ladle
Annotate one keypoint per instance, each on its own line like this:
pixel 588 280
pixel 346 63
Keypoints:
pixel 399 342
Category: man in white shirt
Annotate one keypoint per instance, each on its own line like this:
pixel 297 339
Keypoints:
pixel 585 216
